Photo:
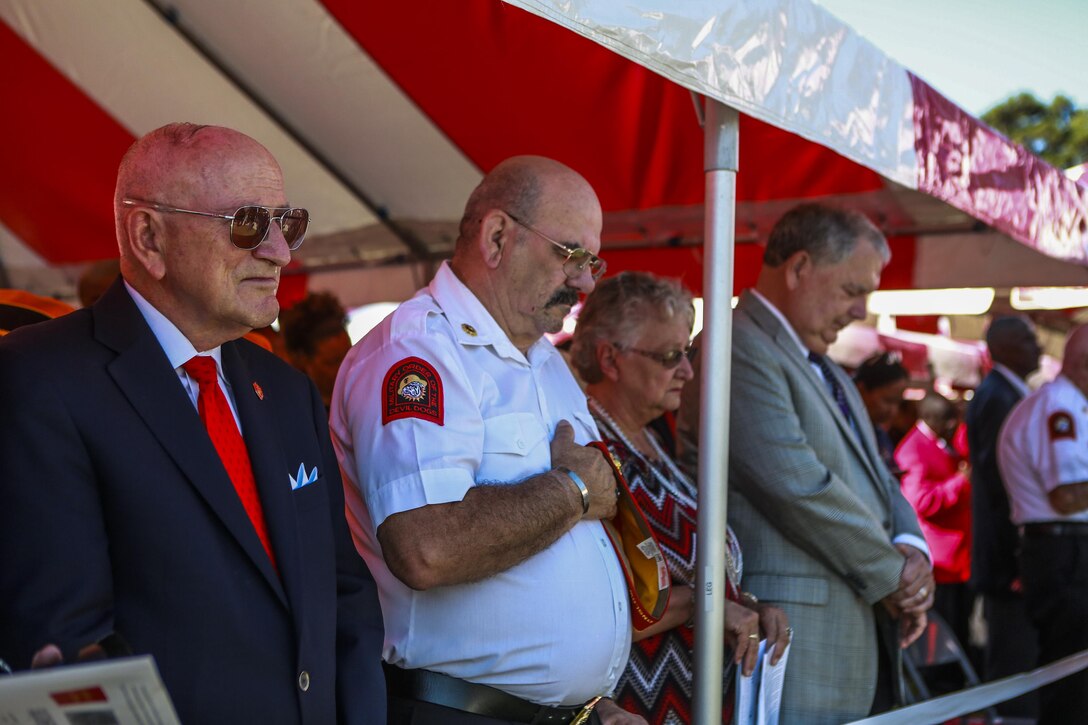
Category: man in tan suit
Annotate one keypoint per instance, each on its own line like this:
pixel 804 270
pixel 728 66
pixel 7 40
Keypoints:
pixel 827 536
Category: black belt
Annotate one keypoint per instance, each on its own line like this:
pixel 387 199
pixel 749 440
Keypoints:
pixel 439 689
pixel 1056 528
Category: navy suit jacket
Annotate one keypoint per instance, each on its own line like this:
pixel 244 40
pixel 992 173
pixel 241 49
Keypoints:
pixel 117 515
pixel 995 539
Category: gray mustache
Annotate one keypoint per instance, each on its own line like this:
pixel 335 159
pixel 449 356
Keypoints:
pixel 564 296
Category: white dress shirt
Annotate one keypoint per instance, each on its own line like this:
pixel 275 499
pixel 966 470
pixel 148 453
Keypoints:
pixel 1043 444
pixel 555 629
pixel 179 351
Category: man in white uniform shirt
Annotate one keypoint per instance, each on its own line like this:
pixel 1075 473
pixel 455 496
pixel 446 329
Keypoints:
pixel 470 493
pixel 1043 455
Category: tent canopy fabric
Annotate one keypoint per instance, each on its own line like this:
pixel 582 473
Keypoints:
pixel 385 115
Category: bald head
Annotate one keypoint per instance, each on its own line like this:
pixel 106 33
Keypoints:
pixel 519 185
pixel 183 184
pixel 1075 359
pixel 183 164
pixel 519 230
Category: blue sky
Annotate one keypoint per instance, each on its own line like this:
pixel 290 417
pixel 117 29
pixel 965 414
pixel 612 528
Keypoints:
pixel 979 53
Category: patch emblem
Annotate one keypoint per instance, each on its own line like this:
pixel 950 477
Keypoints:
pixel 1060 425
pixel 412 389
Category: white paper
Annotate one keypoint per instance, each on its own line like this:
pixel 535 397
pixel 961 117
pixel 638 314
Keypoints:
pixel 759 697
pixel 125 691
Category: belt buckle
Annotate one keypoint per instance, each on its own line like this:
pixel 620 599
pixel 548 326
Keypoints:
pixel 583 715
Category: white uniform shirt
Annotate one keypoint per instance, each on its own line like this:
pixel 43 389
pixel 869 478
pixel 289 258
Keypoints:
pixel 555 629
pixel 1042 445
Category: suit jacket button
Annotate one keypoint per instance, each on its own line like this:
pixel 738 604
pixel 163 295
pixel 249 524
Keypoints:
pixel 304 680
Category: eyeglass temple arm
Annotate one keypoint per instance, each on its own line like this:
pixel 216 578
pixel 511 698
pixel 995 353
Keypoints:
pixel 164 207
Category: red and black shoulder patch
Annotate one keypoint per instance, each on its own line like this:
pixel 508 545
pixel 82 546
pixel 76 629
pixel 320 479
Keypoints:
pixel 1060 425
pixel 412 389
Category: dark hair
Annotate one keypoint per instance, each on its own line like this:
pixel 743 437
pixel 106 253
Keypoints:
pixel 316 317
pixel 827 233
pixel 879 370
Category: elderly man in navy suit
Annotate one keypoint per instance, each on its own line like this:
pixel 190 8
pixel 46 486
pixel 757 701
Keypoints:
pixel 164 481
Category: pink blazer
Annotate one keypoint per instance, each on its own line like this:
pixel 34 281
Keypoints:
pixel 942 497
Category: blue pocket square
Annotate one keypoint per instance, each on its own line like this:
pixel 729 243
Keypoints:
pixel 302 479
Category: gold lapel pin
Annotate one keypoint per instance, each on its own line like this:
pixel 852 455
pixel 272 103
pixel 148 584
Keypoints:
pixel 258 391
pixel 469 329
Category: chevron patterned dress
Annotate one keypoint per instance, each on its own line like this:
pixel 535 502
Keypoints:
pixel 657 683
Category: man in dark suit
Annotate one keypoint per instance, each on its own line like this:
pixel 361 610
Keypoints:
pixel 826 532
pixel 193 508
pixel 1011 645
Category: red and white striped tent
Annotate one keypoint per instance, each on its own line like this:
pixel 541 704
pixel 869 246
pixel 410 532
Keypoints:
pixel 385 115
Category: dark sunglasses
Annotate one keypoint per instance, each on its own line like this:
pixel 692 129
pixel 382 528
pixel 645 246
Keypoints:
pixel 667 360
pixel 249 225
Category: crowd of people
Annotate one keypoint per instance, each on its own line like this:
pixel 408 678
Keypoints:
pixel 418 529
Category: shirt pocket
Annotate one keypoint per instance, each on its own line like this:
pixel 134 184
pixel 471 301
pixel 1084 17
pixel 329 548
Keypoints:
pixel 515 446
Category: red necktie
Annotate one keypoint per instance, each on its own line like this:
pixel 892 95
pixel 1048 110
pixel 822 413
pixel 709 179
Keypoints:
pixel 228 442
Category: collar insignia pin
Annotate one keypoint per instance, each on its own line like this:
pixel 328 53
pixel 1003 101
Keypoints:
pixel 469 329
pixel 257 389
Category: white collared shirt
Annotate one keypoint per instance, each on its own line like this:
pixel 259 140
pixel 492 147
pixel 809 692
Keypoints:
pixel 908 539
pixel 555 629
pixel 179 351
pixel 1043 444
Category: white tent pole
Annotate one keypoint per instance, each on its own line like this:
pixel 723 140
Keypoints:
pixel 720 161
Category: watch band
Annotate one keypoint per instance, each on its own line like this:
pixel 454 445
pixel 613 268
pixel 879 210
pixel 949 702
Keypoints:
pixel 579 484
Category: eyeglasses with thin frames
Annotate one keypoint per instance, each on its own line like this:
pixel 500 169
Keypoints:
pixel 249 224
pixel 668 360
pixel 575 258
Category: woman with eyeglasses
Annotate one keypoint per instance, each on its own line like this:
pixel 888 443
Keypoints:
pixel 630 347
pixel 881 380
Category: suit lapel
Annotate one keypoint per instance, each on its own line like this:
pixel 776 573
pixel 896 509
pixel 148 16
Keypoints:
pixel 769 323
pixel 270 466
pixel 143 374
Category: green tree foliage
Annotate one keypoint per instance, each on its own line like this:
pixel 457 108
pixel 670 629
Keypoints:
pixel 1057 132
